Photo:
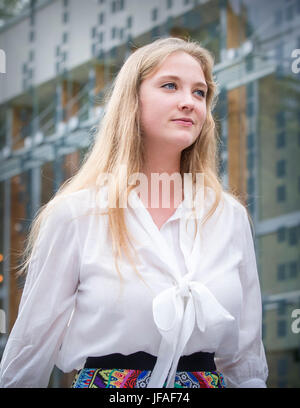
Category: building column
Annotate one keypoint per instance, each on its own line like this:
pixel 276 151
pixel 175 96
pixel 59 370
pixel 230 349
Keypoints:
pixel 223 29
pixel 237 131
pixel 58 106
pixel 69 91
pixel 8 130
pixel 237 125
pixel 17 237
pixel 100 77
pixel 35 198
pixel 20 125
pixel 6 256
pixel 97 80
pixel 71 161
pixel 92 86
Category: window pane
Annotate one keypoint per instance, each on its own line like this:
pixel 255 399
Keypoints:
pixel 281 272
pixel 281 328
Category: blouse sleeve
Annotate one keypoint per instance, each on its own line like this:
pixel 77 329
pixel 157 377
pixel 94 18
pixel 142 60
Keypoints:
pixel 247 368
pixel 47 302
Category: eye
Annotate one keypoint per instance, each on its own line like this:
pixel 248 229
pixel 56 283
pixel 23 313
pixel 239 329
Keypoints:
pixel 201 93
pixel 172 85
pixel 169 85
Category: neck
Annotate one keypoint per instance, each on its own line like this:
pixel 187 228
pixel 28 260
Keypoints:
pixel 160 162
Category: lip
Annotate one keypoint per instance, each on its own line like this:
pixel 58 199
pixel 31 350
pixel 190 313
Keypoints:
pixel 183 121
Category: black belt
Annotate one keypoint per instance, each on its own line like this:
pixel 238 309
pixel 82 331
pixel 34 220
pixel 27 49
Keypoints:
pixel 199 361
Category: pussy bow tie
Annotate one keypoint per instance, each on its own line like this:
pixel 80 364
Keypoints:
pixel 176 322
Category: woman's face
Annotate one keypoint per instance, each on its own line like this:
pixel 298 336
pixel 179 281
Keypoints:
pixel 173 103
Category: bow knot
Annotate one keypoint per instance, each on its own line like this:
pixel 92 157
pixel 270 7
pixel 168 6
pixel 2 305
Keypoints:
pixel 176 320
pixel 183 288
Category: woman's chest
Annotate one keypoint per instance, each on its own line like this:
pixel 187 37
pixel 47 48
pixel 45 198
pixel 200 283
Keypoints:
pixel 212 258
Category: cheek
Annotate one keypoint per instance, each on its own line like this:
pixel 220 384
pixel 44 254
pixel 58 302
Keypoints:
pixel 201 113
pixel 149 119
pixel 147 113
pixel 152 113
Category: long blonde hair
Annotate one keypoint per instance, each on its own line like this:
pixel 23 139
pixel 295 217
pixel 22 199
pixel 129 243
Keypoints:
pixel 119 141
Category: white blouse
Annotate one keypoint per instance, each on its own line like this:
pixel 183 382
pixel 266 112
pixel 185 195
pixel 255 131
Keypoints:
pixel 193 294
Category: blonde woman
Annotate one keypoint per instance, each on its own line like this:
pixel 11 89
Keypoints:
pixel 127 290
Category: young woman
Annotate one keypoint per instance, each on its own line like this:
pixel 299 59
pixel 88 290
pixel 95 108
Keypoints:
pixel 144 294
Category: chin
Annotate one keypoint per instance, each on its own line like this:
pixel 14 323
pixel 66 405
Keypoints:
pixel 184 141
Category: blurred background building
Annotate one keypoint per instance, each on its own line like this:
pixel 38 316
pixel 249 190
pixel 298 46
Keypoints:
pixel 58 57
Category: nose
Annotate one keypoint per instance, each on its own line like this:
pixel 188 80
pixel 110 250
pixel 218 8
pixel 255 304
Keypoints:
pixel 186 101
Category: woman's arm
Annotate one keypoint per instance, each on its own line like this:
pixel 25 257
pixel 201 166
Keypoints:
pixel 47 302
pixel 247 368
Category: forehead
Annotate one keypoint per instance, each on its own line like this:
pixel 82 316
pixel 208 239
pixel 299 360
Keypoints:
pixel 179 64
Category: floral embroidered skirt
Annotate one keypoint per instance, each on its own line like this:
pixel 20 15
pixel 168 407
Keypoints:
pixel 124 378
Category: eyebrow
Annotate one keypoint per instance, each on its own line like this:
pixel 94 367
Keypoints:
pixel 203 84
